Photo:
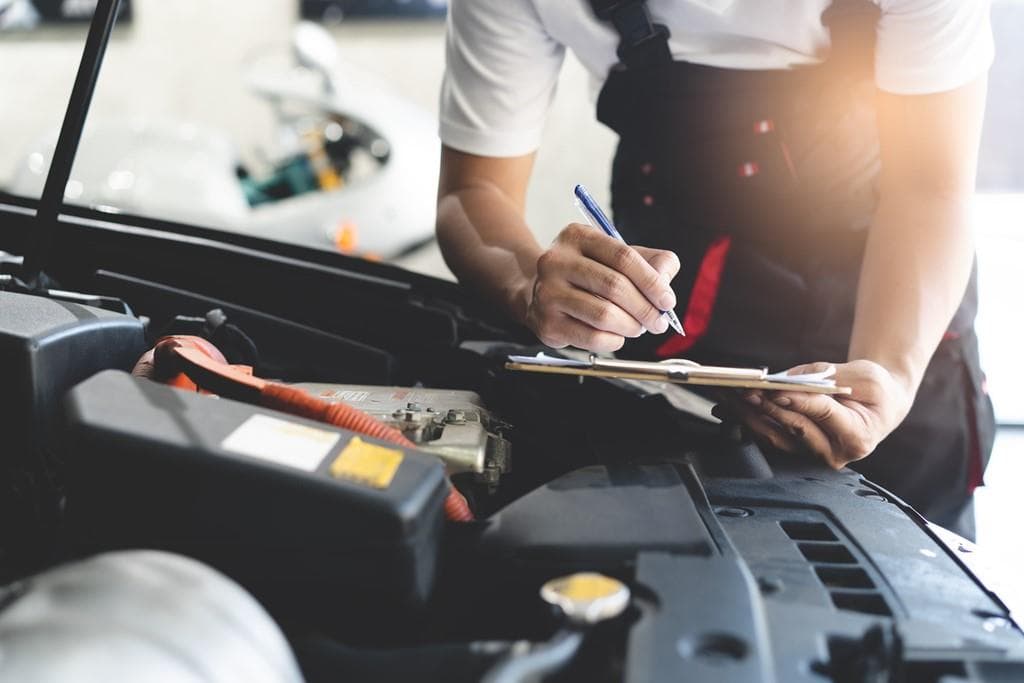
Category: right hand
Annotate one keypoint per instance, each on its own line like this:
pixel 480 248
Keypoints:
pixel 592 291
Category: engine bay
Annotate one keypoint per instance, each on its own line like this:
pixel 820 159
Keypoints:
pixel 617 537
pixel 239 458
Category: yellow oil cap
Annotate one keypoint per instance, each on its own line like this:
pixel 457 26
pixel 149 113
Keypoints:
pixel 587 597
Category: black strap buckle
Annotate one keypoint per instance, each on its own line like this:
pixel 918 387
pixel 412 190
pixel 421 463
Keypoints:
pixel 642 43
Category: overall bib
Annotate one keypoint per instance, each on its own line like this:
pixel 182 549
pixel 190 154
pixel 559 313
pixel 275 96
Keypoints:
pixel 765 184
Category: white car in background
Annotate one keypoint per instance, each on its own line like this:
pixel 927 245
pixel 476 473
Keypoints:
pixel 354 168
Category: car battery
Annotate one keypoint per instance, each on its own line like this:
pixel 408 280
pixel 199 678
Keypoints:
pixel 298 511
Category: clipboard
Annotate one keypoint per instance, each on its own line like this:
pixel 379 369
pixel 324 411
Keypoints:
pixel 676 371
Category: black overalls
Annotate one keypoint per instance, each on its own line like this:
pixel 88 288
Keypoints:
pixel 765 184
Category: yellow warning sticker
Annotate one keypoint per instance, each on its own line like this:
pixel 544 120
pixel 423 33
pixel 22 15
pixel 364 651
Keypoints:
pixel 367 463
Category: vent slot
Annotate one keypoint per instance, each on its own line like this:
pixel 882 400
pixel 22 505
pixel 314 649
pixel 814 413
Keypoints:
pixel 865 603
pixel 808 531
pixel 844 577
pixel 827 553
pixel 848 584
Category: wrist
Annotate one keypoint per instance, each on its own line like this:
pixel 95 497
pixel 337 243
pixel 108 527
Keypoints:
pixel 519 297
pixel 903 372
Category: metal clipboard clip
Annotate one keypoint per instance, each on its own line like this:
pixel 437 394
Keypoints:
pixel 677 368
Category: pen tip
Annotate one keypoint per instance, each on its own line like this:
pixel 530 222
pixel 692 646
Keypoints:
pixel 673 320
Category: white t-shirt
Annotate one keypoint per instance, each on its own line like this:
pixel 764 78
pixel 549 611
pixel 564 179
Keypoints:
pixel 504 56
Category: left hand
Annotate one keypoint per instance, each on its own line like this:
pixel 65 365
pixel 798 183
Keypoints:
pixel 837 429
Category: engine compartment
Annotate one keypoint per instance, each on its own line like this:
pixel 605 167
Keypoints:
pixel 740 565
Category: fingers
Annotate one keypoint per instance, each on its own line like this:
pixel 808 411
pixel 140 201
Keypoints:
pixel 764 428
pixel 809 368
pixel 850 434
pixel 562 315
pixel 799 426
pixel 616 288
pixel 665 262
pixel 766 431
pixel 598 313
pixel 820 408
pixel 571 332
pixel 593 291
pixel 624 259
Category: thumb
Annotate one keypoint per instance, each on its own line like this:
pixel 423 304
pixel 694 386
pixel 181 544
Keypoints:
pixel 809 368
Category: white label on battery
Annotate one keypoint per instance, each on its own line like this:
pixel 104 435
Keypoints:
pixel 282 442
pixel 352 396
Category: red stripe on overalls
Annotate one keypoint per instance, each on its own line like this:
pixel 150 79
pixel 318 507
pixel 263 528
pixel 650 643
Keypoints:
pixel 702 300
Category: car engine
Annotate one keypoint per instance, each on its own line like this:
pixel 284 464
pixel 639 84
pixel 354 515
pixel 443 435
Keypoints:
pixel 616 536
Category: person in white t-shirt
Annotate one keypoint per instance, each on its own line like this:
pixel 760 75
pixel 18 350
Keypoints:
pixel 809 162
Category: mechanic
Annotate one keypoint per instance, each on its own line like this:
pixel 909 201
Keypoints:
pixel 811 163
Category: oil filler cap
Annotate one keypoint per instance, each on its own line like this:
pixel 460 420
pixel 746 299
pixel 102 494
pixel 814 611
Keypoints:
pixel 587 597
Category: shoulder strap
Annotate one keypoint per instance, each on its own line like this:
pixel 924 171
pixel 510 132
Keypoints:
pixel 642 43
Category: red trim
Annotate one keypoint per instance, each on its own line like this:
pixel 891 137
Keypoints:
pixel 702 300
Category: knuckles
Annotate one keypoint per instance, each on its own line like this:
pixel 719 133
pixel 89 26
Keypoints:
pixel 547 262
pixel 574 233
pixel 614 286
pixel 666 262
pixel 548 329
pixel 604 316
pixel 860 447
pixel 674 266
pixel 623 258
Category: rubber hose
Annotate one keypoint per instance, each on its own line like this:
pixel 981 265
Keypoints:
pixel 297 402
pixel 539 662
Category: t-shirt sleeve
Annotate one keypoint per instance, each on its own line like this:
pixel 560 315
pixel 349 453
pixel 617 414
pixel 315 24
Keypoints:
pixel 931 46
pixel 501 71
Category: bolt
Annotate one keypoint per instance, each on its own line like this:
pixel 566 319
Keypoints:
pixel 733 512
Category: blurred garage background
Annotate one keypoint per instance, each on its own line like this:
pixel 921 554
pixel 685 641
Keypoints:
pixel 183 77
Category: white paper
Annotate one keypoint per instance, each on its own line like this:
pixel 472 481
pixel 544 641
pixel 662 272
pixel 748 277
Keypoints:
pixel 825 378
pixel 549 361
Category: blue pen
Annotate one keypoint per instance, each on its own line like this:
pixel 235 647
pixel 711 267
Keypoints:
pixel 597 218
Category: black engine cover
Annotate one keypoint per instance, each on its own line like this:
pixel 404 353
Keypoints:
pixel 252 492
pixel 46 347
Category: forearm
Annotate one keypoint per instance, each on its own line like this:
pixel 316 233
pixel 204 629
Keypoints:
pixel 920 250
pixel 487 244
pixel 916 267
